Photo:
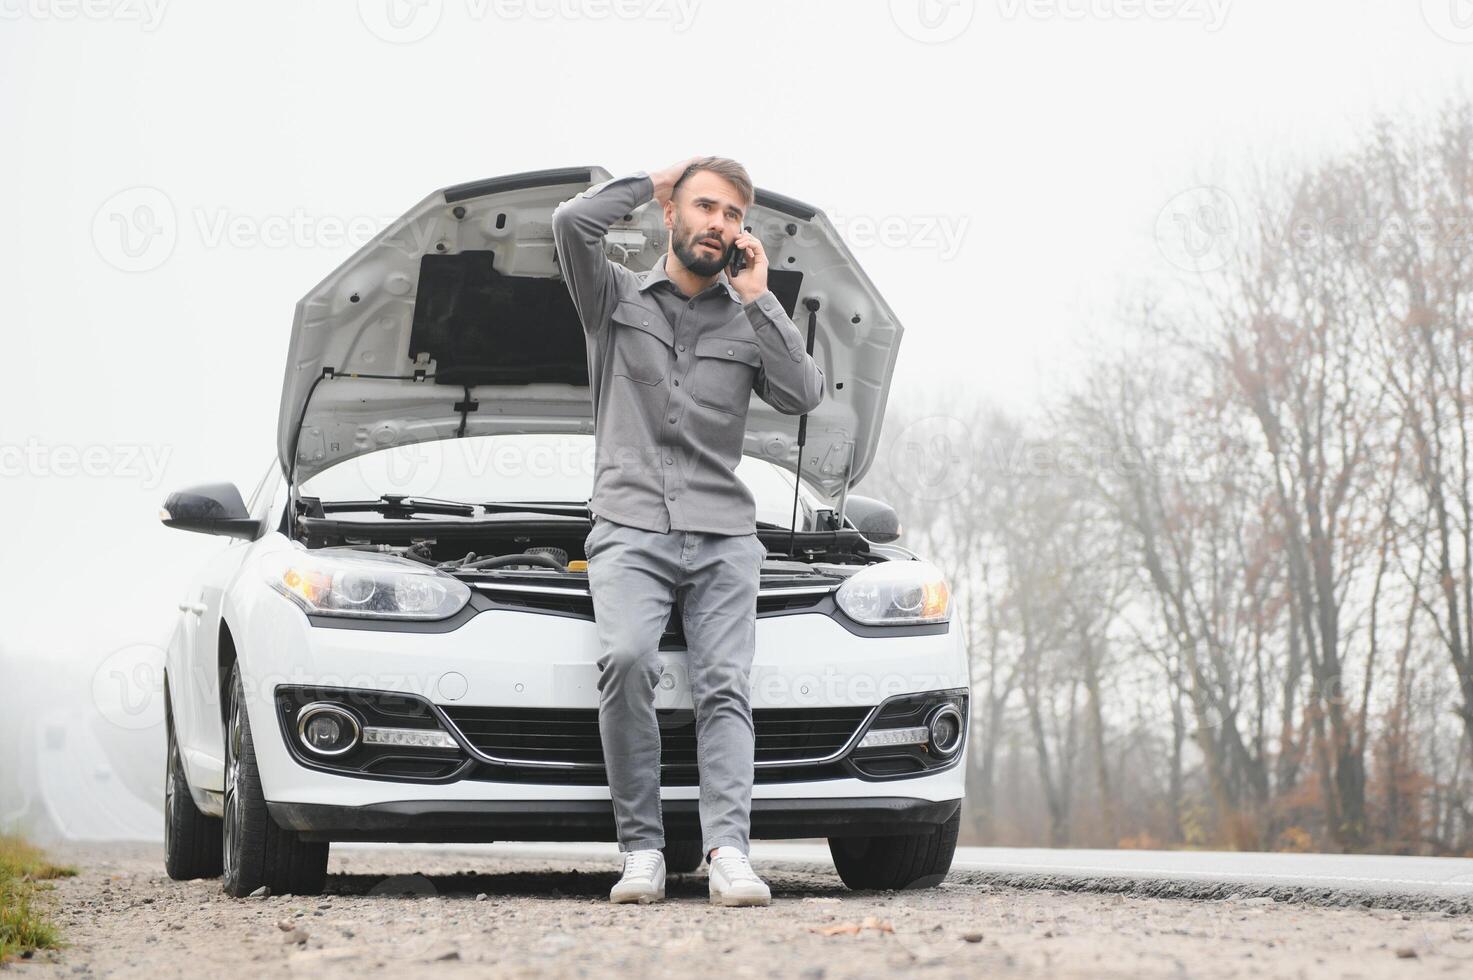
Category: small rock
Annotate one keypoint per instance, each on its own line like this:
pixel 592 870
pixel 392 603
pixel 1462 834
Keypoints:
pixel 285 925
pixel 481 897
pixel 295 937
pixel 1406 953
pixel 449 954
pixel 972 936
pixel 1258 902
pixel 263 892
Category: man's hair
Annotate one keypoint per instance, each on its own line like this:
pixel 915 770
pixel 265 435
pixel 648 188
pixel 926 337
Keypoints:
pixel 722 167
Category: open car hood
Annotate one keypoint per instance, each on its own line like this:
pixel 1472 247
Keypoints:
pixel 455 322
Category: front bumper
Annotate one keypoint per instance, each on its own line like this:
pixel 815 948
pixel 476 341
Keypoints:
pixel 485 821
pixel 536 661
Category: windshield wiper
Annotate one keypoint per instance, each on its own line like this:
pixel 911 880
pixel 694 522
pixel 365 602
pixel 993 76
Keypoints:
pixel 397 505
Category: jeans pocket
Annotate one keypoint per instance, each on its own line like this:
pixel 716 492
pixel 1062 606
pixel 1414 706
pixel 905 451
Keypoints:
pixel 591 541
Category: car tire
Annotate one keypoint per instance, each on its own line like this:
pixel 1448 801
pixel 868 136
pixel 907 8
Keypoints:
pixel 192 847
pixel 256 850
pixel 897 861
pixel 683 856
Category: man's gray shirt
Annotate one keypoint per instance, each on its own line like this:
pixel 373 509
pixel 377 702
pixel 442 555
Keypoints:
pixel 672 375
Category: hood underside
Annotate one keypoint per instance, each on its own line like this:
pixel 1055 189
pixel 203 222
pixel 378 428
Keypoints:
pixel 455 322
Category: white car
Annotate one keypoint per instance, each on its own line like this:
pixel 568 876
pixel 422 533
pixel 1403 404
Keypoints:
pixel 398 642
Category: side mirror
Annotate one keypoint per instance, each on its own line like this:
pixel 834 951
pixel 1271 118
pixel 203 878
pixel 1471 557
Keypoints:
pixel 209 508
pixel 875 519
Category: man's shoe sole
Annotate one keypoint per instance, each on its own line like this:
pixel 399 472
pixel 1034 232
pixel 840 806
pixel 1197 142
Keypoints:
pixel 643 899
pixel 739 901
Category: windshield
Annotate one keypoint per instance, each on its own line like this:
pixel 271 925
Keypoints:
pixel 541 467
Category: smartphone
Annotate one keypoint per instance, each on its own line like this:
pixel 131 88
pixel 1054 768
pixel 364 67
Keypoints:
pixel 738 261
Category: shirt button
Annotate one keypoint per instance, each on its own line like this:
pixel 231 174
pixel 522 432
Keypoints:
pixel 680 347
pixel 676 382
pixel 730 352
pixel 691 305
pixel 671 496
pixel 669 460
pixel 672 419
pixel 644 323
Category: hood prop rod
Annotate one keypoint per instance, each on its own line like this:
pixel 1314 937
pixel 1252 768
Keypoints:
pixel 811 305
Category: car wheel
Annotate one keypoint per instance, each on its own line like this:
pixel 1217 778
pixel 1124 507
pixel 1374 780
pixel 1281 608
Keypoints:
pixel 899 860
pixel 683 856
pixel 257 851
pixel 191 838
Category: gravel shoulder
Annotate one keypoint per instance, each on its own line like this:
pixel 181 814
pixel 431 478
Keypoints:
pixel 391 909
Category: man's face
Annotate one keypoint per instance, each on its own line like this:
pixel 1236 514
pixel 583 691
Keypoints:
pixel 704 217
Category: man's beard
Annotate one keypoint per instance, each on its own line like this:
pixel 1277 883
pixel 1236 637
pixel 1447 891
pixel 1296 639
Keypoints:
pixel 699 263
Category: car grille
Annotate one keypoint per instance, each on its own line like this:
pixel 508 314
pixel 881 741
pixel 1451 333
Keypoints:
pixel 581 604
pixel 572 603
pixel 561 735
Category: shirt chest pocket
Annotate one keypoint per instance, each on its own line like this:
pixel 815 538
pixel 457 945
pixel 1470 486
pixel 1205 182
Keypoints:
pixel 643 344
pixel 724 372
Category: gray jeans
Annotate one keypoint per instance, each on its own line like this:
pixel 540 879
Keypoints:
pixel 634 575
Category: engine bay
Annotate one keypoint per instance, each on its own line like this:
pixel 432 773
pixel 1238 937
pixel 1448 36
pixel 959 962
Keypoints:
pixel 536 546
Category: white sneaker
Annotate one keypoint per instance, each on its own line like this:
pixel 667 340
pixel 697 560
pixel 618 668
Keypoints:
pixel 643 880
pixel 733 882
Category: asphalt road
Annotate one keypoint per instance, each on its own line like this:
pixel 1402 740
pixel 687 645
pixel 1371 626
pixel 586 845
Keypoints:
pixel 543 911
pixel 1381 880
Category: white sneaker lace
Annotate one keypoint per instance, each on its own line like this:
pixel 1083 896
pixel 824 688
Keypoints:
pixel 736 867
pixel 641 864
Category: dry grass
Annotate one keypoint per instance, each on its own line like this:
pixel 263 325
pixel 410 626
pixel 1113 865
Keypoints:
pixel 23 927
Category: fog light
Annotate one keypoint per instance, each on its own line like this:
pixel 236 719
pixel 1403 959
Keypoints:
pixel 945 727
pixel 327 729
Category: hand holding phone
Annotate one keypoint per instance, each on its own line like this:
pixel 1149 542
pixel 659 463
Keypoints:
pixel 748 267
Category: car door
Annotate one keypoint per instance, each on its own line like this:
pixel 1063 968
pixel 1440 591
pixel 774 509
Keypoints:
pixel 195 681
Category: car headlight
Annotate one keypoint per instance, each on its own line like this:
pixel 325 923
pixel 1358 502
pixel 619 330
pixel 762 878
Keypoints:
pixel 365 585
pixel 896 593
